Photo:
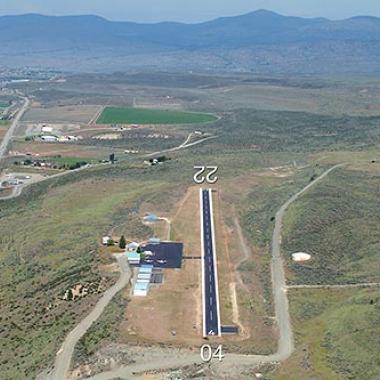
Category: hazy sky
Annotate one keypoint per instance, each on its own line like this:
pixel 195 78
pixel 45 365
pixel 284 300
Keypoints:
pixel 190 10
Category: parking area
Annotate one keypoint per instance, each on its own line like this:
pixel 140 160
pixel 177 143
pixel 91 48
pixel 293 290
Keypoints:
pixel 163 255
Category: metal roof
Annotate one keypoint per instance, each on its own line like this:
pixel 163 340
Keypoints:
pixel 133 255
pixel 145 270
pixel 141 286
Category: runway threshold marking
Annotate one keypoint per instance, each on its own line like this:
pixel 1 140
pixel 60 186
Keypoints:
pixel 210 293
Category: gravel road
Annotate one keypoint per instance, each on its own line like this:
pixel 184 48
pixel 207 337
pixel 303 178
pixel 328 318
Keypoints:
pixel 11 130
pixel 64 355
pixel 235 362
pixel 231 362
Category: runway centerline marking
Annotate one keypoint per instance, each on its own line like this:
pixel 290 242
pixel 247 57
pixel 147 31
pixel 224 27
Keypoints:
pixel 210 293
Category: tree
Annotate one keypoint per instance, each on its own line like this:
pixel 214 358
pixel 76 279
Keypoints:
pixel 122 242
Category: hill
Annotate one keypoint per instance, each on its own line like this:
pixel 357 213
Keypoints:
pixel 260 41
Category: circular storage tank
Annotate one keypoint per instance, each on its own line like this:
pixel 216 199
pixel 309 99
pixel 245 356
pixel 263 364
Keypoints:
pixel 301 256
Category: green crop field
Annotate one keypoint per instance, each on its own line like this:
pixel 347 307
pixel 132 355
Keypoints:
pixel 265 152
pixel 125 115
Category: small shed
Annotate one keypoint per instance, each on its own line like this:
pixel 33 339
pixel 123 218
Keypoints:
pixel 46 129
pixel 105 240
pixel 151 218
pixel 154 240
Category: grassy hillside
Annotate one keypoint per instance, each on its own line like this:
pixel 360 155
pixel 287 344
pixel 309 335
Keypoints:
pixel 337 223
pixel 49 243
pixel 49 236
pixel 337 335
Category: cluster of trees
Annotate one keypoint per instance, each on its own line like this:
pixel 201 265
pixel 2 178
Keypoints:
pixel 122 242
pixel 51 165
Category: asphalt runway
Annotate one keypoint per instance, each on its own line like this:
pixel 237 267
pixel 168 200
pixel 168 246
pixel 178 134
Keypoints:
pixel 211 316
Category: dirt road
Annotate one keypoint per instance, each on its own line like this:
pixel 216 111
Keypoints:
pixel 64 355
pixel 336 286
pixel 234 361
pixel 18 189
pixel 184 145
pixel 285 343
pixel 11 130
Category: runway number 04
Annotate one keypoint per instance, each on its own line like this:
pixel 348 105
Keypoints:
pixel 200 176
pixel 208 353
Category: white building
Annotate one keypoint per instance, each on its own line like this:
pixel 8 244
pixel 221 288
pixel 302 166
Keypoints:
pixel 46 129
pixel 105 240
pixel 132 246
pixel 49 138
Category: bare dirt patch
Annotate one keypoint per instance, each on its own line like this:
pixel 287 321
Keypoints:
pixel 65 150
pixel 172 311
pixel 70 114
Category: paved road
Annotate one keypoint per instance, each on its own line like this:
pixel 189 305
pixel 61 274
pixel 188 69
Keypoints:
pixel 211 316
pixel 11 130
pixel 64 355
pixel 286 340
pixel 285 343
pixel 17 190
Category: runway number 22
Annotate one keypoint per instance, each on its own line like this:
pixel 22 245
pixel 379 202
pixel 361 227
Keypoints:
pixel 201 177
pixel 208 353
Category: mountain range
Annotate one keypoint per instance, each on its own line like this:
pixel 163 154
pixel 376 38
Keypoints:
pixel 260 42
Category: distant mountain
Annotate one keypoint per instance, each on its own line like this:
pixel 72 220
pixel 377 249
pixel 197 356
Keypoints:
pixel 260 41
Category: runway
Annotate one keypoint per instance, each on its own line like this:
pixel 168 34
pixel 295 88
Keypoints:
pixel 210 294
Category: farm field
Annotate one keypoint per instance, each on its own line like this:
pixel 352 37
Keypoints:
pixel 65 150
pixel 270 141
pixel 129 115
pixel 61 114
pixel 53 213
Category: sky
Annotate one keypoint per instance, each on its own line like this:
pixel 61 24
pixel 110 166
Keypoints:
pixel 190 10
